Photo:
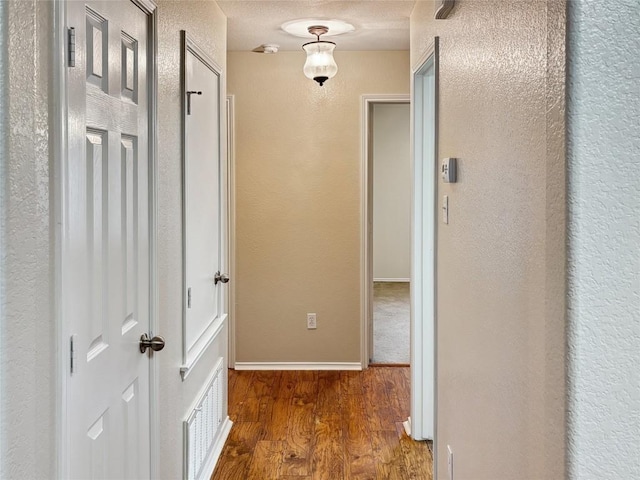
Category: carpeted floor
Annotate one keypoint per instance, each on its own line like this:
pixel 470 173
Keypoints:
pixel 391 329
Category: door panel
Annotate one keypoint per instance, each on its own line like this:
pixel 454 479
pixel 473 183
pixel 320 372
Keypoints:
pixel 423 285
pixel 106 249
pixel 203 213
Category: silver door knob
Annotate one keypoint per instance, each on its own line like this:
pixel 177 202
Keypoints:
pixel 224 278
pixel 156 343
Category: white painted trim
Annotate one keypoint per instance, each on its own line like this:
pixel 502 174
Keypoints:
pixel 60 153
pixel 423 286
pixel 366 271
pixel 210 466
pixel 207 339
pixel 147 6
pixel 391 280
pixel 298 366
pixel 436 57
pixel 154 322
pixel 231 159
pixel 427 52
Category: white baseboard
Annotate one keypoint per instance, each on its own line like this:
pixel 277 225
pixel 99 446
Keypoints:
pixel 298 366
pixel 403 280
pixel 217 450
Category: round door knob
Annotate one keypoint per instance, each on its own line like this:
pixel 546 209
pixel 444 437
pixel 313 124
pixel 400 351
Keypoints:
pixel 156 343
pixel 224 278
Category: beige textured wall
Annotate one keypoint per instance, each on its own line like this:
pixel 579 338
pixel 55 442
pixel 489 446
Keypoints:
pixel 297 166
pixel 206 24
pixel 500 302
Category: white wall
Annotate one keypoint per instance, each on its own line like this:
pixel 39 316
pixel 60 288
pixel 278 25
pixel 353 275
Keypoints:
pixel 603 100
pixel 391 192
pixel 28 333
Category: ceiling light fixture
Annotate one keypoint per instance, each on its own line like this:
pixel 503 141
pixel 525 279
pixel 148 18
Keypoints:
pixel 320 65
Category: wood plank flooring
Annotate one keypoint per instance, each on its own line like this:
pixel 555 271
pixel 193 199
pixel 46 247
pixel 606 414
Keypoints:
pixel 327 425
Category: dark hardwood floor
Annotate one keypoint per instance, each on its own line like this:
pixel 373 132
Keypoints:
pixel 304 425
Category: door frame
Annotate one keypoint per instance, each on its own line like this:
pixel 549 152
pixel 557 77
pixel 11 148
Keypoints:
pixel 424 242
pixel 231 243
pixel 60 119
pixel 366 224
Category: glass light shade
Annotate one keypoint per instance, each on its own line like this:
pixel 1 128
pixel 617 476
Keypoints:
pixel 320 65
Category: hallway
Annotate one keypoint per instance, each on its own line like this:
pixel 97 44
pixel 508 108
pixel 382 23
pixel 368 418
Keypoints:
pixel 334 425
pixel 537 339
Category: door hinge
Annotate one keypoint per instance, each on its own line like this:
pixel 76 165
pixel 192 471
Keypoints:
pixel 189 297
pixel 73 357
pixel 71 41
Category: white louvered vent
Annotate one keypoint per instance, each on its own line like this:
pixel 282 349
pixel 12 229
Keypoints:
pixel 202 427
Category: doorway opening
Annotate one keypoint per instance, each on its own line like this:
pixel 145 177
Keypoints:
pixel 390 174
pixel 423 145
pixel 388 108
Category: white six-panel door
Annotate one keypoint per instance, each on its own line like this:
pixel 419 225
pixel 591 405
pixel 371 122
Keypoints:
pixel 106 242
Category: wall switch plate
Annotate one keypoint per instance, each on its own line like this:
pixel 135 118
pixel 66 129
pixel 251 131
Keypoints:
pixel 311 321
pixel 450 461
pixel 445 209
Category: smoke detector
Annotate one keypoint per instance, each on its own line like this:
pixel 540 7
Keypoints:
pixel 270 48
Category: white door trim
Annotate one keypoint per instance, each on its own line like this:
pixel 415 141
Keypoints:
pixel 60 150
pixel 366 272
pixel 60 153
pixel 231 201
pixel 423 274
pixel 150 7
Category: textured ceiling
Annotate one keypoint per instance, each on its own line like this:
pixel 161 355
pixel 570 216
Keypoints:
pixel 379 24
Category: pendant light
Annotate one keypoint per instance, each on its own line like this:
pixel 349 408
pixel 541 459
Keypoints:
pixel 320 65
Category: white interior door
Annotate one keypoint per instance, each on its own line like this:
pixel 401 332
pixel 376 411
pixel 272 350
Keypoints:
pixel 423 286
pixel 106 242
pixel 202 170
pixel 204 203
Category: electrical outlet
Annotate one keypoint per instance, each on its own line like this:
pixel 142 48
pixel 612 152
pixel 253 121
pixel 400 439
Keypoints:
pixel 311 321
pixel 450 462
